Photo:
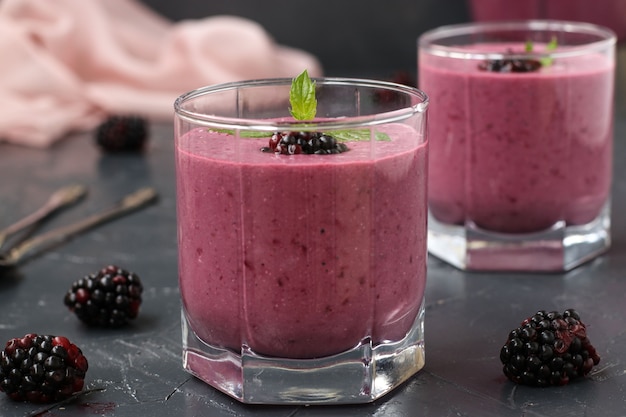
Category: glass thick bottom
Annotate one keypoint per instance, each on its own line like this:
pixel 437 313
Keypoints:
pixel 359 375
pixel 559 248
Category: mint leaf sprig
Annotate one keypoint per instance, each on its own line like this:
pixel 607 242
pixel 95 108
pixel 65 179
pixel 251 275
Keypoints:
pixel 358 135
pixel 346 135
pixel 545 61
pixel 302 97
pixel 303 107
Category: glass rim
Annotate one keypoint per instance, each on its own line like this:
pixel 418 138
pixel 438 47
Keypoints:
pixel 427 42
pixel 271 125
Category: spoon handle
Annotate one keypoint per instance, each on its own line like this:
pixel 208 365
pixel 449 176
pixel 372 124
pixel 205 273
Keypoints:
pixel 128 204
pixel 61 198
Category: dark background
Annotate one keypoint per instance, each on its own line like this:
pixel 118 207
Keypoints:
pixel 350 38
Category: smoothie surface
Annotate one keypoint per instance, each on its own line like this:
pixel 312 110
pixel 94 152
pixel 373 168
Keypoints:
pixel 212 144
pixel 579 63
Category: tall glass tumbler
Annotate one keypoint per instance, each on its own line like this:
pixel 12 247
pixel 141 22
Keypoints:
pixel 521 128
pixel 302 274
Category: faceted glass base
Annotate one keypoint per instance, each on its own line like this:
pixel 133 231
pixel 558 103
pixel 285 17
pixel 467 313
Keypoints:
pixel 559 248
pixel 359 375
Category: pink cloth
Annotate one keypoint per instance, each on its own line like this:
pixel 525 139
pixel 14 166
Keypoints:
pixel 66 64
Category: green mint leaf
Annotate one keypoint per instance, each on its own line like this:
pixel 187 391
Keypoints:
pixel 351 135
pixel 357 135
pixel 529 46
pixel 551 46
pixel 382 136
pixel 304 107
pixel 243 133
pixel 302 97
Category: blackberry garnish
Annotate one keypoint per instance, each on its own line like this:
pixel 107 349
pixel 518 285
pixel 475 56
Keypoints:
pixel 549 348
pixel 510 65
pixel 108 298
pixel 122 133
pixel 520 64
pixel 41 369
pixel 292 143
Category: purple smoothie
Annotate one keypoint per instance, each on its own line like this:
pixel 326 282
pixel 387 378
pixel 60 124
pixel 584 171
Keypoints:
pixel 301 256
pixel 517 152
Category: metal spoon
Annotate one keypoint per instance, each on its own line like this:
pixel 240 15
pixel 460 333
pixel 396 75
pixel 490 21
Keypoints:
pixel 61 198
pixel 131 202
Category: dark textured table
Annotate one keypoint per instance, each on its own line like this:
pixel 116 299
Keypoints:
pixel 136 370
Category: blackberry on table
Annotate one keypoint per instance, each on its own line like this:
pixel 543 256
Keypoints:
pixel 549 348
pixel 109 298
pixel 292 143
pixel 41 368
pixel 122 133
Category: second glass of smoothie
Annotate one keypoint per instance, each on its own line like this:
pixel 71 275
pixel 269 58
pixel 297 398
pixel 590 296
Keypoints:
pixel 521 126
pixel 302 243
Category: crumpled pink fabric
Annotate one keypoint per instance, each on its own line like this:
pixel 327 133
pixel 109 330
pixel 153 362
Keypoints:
pixel 67 64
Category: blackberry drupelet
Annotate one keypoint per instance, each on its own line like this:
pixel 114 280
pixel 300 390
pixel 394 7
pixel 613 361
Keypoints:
pixel 292 143
pixel 41 368
pixel 510 65
pixel 122 133
pixel 549 348
pixel 108 298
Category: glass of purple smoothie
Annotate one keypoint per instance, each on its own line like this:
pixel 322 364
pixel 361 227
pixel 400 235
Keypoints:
pixel 521 128
pixel 302 243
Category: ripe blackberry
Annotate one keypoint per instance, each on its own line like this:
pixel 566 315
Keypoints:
pixel 510 65
pixel 549 348
pixel 108 298
pixel 41 368
pixel 122 133
pixel 292 143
